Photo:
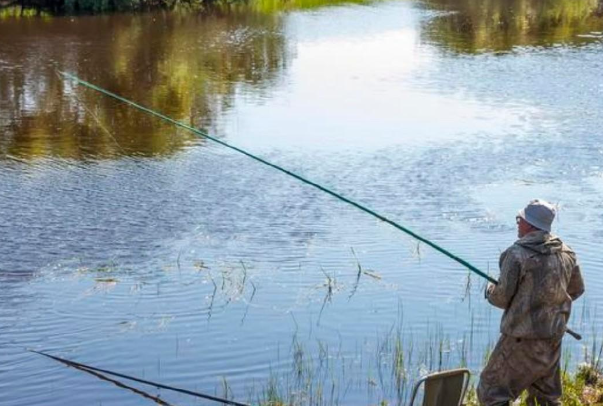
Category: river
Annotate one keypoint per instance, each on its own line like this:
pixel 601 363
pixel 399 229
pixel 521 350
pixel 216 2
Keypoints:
pixel 135 246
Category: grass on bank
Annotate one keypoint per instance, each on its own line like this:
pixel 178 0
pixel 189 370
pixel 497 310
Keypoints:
pixel 584 387
pixel 387 373
pixel 48 8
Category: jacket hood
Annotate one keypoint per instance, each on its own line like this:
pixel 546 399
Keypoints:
pixel 541 242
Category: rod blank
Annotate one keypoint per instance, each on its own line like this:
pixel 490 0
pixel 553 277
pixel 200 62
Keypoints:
pixel 132 378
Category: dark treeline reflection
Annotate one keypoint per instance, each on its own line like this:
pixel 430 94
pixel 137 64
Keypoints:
pixel 499 25
pixel 188 66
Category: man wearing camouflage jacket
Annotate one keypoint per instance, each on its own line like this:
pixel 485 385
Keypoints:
pixel 539 279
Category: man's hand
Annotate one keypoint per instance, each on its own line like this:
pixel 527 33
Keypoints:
pixel 489 290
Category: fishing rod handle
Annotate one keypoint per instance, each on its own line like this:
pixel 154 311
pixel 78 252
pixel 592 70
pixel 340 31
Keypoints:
pixel 573 334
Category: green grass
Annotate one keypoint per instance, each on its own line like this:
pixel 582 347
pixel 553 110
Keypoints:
pixel 74 7
pixel 579 388
pixel 22 12
pixel 274 6
pixel 387 372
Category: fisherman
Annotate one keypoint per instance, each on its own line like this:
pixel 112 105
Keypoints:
pixel 539 279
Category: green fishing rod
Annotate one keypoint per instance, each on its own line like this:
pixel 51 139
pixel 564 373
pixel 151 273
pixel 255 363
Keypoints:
pixel 292 174
pixel 89 368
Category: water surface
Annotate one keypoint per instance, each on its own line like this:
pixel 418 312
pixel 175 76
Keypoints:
pixel 135 246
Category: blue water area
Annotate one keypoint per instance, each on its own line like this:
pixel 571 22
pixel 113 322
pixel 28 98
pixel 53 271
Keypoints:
pixel 134 246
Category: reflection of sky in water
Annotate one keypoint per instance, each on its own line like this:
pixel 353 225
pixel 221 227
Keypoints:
pixel 125 252
pixel 325 103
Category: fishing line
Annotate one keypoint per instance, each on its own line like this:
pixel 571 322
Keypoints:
pixel 88 368
pixel 292 174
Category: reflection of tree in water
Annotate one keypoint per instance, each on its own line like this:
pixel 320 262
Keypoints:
pixel 186 66
pixel 498 25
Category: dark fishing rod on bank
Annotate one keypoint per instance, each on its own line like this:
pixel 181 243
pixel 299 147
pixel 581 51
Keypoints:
pixel 359 206
pixel 95 371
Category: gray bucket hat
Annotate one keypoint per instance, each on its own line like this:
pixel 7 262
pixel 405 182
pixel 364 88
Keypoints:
pixel 539 213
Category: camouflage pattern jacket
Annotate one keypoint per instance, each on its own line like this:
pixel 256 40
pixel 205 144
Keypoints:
pixel 539 279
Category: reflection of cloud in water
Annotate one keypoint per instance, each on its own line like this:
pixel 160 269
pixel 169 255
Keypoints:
pixel 339 112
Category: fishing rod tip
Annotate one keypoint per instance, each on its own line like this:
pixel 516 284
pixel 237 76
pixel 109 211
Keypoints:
pixel 66 74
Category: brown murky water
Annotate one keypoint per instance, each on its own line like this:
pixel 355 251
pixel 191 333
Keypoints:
pixel 187 66
pixel 131 245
